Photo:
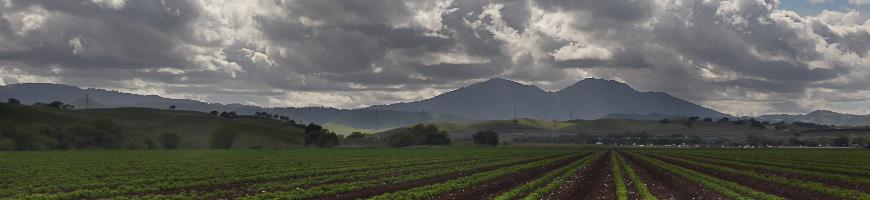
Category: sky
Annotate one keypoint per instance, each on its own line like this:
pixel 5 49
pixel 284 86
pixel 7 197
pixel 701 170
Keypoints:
pixel 736 56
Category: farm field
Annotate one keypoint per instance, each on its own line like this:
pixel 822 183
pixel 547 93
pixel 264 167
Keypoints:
pixel 439 173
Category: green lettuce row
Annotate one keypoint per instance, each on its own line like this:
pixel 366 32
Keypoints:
pixel 807 185
pixel 545 179
pixel 429 191
pixel 360 185
pixel 729 189
pixel 540 193
pixel 621 190
pixel 638 183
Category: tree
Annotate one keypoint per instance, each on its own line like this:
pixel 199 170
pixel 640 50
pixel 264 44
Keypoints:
pixel 172 107
pixel 214 112
pixel 149 143
pixel 429 134
pixel 356 135
pixel 665 121
pixel 55 104
pixel 317 136
pixel 223 138
pixel 436 139
pixel 840 142
pixel 13 101
pixel 101 133
pixel 169 140
pixel 402 139
pixel 486 138
pixel 707 119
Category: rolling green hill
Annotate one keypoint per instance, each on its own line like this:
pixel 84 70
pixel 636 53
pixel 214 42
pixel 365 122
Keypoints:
pixel 137 124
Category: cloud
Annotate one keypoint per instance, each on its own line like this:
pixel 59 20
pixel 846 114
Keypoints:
pixel 733 55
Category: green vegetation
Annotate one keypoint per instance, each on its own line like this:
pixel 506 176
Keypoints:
pixel 486 138
pixel 807 185
pixel 420 134
pixel 169 140
pixel 44 128
pixel 638 183
pixel 223 138
pixel 315 135
pixel 425 173
pixel 726 188
pixel 621 190
pixel 554 177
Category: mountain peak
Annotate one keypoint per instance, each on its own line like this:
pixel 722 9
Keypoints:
pixel 823 112
pixel 502 83
pixel 500 80
pixel 599 84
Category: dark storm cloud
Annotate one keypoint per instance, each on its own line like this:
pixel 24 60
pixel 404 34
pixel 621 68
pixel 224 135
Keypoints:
pixel 352 53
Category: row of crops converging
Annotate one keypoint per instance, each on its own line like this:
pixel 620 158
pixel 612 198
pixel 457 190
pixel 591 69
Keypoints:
pixel 500 173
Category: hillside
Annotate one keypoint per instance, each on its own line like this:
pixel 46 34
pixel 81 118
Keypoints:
pixel 823 117
pixel 29 93
pixel 498 99
pixel 137 124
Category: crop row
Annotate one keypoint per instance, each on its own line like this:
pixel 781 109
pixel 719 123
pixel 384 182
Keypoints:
pixel 729 189
pixel 793 169
pixel 314 185
pixel 806 185
pixel 432 190
pixel 805 168
pixel 125 174
pixel 639 185
pixel 555 177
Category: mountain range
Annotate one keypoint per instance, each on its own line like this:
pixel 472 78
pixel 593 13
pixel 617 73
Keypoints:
pixel 493 99
pixel 499 98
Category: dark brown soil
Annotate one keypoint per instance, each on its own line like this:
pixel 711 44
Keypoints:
pixel 370 192
pixel 666 185
pixel 493 188
pixel 594 182
pixel 759 185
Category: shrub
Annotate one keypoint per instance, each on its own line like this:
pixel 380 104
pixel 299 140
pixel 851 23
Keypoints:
pixel 169 140
pixel 223 138
pixel 149 143
pixel 402 139
pixel 13 101
pixel 486 138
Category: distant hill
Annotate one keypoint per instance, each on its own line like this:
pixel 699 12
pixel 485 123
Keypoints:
pixel 652 116
pixel 29 93
pixel 822 117
pixel 137 124
pixel 498 98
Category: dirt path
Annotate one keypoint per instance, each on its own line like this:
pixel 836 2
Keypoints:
pixel 666 185
pixel 594 182
pixel 493 188
pixel 370 192
pixel 762 186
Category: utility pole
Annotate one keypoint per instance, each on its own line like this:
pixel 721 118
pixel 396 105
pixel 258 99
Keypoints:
pixel 87 101
pixel 572 115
